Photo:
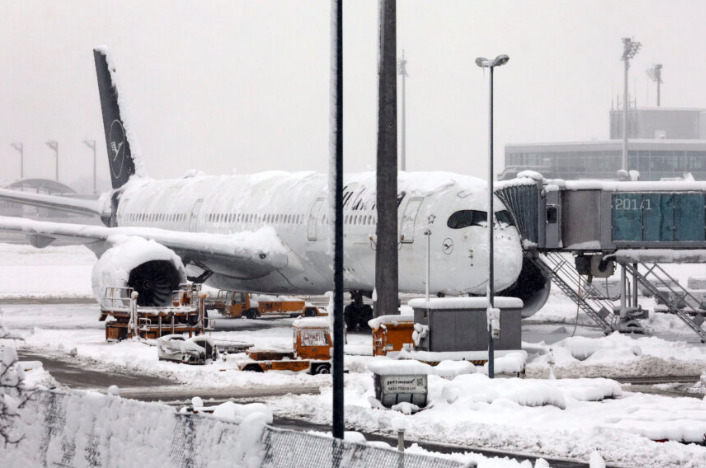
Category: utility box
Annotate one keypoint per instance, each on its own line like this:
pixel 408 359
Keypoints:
pixel 391 333
pixel 400 382
pixel 460 323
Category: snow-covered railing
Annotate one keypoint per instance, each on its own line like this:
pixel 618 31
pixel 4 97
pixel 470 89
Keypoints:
pixel 117 298
pixel 87 429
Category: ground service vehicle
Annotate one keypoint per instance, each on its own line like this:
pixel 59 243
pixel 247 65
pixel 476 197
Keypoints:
pixel 196 351
pixel 125 318
pixel 311 353
pixel 236 304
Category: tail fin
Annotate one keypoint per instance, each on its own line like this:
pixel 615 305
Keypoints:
pixel 118 138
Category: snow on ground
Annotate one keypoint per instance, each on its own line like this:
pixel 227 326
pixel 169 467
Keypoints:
pixel 618 355
pixel 52 272
pixel 555 418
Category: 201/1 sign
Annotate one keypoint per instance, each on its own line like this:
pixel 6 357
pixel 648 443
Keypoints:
pixel 632 204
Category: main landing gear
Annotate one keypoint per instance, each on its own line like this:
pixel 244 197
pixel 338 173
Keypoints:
pixel 357 313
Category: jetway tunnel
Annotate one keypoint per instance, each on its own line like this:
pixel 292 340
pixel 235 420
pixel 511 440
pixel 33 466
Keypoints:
pixel 605 222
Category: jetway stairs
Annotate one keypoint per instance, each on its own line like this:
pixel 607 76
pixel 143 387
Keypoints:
pixel 564 275
pixel 676 297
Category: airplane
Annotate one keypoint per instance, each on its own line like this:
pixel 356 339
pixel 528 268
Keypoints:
pixel 271 232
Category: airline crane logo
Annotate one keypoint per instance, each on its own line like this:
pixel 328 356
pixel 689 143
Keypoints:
pixel 117 148
pixel 447 246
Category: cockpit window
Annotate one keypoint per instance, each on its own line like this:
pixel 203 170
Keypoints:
pixel 465 218
pixel 504 217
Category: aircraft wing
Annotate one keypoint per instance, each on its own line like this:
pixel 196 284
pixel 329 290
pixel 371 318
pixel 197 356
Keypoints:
pixel 247 254
pixel 65 203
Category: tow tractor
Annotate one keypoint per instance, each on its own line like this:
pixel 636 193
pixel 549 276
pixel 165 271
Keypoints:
pixel 186 314
pixel 311 353
pixel 236 304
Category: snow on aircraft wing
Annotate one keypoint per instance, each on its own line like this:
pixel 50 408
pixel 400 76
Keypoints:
pixel 249 254
pixel 65 203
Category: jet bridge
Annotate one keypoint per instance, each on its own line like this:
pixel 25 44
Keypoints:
pixel 637 225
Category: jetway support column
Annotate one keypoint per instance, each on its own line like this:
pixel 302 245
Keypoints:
pixel 634 286
pixel 623 292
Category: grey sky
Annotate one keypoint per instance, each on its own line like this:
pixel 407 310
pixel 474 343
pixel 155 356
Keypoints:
pixel 222 85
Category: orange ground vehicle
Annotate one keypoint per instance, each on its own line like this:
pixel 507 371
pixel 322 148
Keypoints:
pixel 312 350
pixel 391 333
pixel 236 304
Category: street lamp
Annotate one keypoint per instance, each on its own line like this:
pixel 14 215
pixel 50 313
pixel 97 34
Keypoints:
pixel 53 144
pixel 402 71
pixel 21 148
pixel 630 50
pixel 491 313
pixel 655 74
pixel 92 145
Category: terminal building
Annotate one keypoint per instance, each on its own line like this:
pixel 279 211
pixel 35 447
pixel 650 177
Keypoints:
pixel 664 143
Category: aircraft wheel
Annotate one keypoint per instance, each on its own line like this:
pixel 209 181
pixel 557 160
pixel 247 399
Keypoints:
pixel 366 314
pixel 350 314
pixel 253 368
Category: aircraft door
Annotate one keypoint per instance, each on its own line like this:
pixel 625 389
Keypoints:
pixel 193 220
pixel 409 219
pixel 313 216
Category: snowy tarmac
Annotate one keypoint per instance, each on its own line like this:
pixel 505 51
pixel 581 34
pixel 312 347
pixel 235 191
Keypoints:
pixel 574 416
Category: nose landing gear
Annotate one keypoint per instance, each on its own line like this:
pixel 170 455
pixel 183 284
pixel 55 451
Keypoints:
pixel 357 313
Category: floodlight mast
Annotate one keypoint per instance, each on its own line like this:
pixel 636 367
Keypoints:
pixel 402 71
pixel 655 74
pixel 92 145
pixel 54 145
pixel 630 49
pixel 20 147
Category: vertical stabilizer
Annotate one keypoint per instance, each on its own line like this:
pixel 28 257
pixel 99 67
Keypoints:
pixel 120 142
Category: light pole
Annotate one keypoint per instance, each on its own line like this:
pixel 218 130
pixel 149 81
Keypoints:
pixel 655 73
pixel 491 64
pixel 92 145
pixel 630 49
pixel 21 148
pixel 53 144
pixel 402 71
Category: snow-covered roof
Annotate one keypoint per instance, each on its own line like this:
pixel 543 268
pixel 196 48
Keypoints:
pixel 466 303
pixel 311 322
pixel 384 366
pixel 389 320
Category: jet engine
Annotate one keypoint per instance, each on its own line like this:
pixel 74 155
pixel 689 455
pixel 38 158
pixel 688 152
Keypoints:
pixel 149 268
pixel 532 286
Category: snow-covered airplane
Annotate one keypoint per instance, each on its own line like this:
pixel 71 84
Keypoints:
pixel 270 232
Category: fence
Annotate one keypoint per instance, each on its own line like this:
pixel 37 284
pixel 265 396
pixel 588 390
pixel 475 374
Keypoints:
pixel 86 429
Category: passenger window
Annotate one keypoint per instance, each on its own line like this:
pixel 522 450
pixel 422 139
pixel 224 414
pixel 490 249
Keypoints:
pixel 465 218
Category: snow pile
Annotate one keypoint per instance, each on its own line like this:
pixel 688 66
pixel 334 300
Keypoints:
pixel 619 355
pixel 451 369
pixel 678 419
pixel 78 429
pixel 240 412
pixel 511 363
pixel 466 391
pixel 588 389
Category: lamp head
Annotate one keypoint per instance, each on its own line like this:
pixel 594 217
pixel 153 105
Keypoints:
pixel 482 62
pixel 500 60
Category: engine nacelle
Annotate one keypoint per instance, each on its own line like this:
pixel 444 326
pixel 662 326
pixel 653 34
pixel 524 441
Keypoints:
pixel 151 269
pixel 532 286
